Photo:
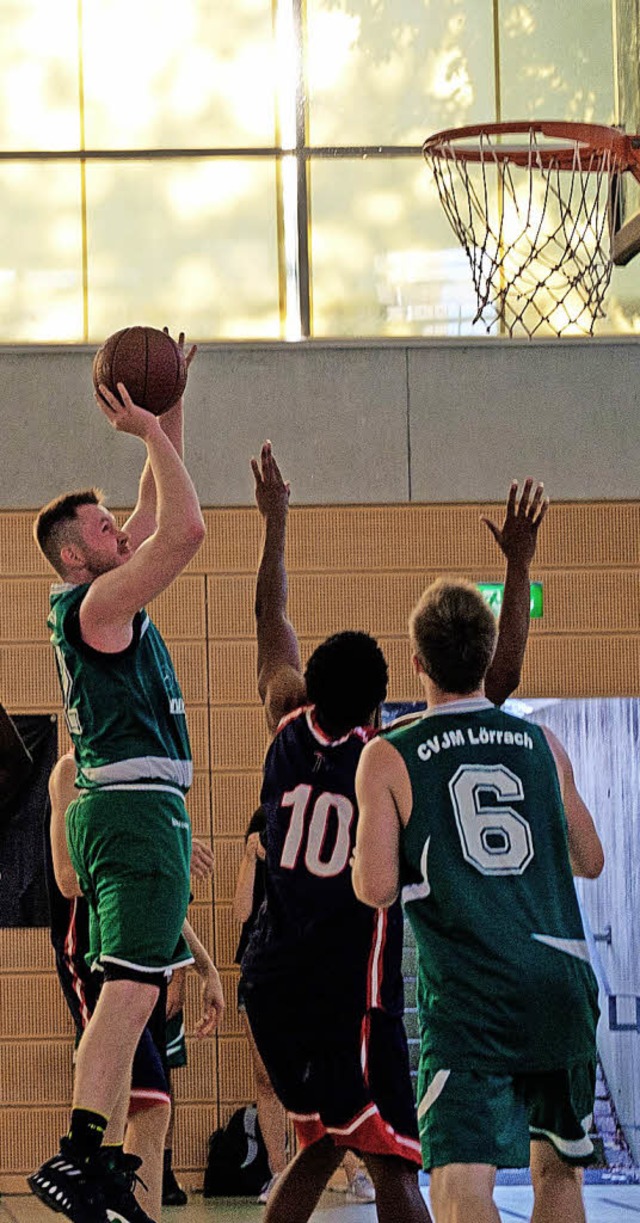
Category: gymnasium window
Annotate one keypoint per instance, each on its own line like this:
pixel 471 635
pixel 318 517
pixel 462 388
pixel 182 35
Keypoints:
pixel 253 169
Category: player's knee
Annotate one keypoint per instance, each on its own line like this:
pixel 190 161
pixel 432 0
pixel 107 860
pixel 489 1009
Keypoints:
pixel 130 1003
pixel 548 1169
pixel 461 1191
pixel 149 1125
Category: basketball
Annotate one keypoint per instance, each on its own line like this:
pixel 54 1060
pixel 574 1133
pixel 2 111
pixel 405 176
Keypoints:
pixel 148 362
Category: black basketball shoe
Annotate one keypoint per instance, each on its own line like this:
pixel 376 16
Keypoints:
pixel 118 1178
pixel 71 1188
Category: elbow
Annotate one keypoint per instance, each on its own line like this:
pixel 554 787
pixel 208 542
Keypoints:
pixel 595 866
pixel 498 690
pixel 376 899
pixel 368 893
pixel 192 535
pixel 69 887
pixel 591 866
pixel 197 531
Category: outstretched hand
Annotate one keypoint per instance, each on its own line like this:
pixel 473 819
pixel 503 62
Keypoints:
pixel 517 537
pixel 212 1004
pixel 188 358
pixel 123 414
pixel 202 859
pixel 272 492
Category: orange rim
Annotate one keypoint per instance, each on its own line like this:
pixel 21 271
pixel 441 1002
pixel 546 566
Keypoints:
pixel 592 139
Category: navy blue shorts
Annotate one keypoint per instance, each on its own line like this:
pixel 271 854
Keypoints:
pixel 149 1079
pixel 336 1071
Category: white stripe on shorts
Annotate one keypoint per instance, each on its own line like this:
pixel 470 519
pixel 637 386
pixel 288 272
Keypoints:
pixel 112 959
pixel 576 1148
pixel 435 1089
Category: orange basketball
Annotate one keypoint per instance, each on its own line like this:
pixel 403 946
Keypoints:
pixel 148 361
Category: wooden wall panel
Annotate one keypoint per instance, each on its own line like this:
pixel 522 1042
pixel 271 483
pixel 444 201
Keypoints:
pixel 582 666
pixel 199 803
pixel 235 797
pixel 24 606
pixel 232 1024
pixel 239 738
pixel 198 1080
pixel 26 951
pixel 229 854
pixel 28 1136
pixel 230 602
pixel 350 567
pixel 33 1005
pixel 232 673
pixel 201 918
pixel 193 1126
pixel 36 1072
pixel 236 1070
pixel 227 935
pixel 21 556
pixel 180 612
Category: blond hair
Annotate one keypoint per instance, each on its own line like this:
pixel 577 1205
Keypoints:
pixel 453 634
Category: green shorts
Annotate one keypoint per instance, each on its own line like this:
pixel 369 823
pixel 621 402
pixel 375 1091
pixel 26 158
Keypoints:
pixel 131 850
pixel 176 1043
pixel 470 1118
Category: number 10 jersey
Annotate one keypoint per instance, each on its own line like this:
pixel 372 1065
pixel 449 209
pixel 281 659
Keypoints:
pixel 505 985
pixel 312 931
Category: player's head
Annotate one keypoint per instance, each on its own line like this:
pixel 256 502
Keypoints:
pixel 453 635
pixel 79 536
pixel 346 680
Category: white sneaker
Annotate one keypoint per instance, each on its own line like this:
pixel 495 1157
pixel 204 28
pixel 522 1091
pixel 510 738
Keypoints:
pixel 268 1189
pixel 361 1188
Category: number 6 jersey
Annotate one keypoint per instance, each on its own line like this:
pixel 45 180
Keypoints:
pixel 504 984
pixel 311 924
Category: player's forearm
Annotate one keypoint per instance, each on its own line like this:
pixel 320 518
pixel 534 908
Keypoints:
pixel 143 521
pixel 201 958
pixel 243 899
pixel 173 425
pixel 178 509
pixel 505 671
pixel 271 584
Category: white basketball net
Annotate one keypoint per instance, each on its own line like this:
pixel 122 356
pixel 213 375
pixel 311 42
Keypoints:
pixel 537 237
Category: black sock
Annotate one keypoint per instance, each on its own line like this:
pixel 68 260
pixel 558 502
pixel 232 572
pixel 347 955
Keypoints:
pixel 86 1133
pixel 168 1154
pixel 111 1152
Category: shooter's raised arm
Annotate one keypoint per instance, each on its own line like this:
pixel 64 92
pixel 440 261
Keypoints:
pixel 143 521
pixel 114 597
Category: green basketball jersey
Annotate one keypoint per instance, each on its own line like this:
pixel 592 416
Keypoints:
pixel 504 980
pixel 125 711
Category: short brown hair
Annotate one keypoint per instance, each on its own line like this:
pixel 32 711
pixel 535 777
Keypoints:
pixel 50 528
pixel 453 633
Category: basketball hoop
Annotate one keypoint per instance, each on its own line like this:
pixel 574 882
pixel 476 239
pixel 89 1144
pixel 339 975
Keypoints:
pixel 535 205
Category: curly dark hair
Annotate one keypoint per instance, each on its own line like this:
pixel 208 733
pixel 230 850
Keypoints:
pixel 346 680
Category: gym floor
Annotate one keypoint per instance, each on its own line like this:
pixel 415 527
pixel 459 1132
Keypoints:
pixel 605 1204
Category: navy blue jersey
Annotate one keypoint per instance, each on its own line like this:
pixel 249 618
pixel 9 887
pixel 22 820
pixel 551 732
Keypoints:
pixel 311 927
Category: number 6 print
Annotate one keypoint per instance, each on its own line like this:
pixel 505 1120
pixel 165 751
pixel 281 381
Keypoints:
pixel 495 839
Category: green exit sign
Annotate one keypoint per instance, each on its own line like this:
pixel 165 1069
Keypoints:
pixel 492 593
